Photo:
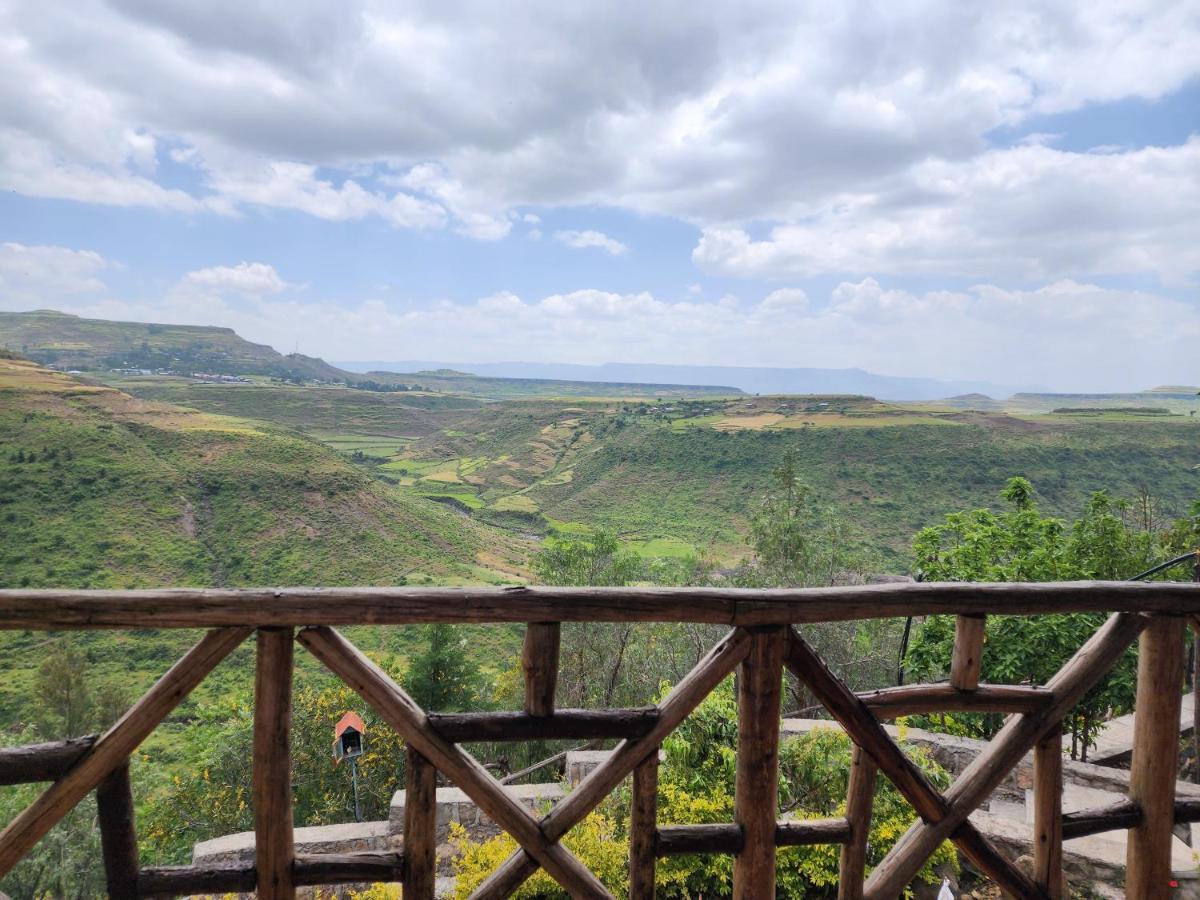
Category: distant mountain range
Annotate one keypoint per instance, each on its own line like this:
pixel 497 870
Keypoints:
pixel 753 380
pixel 67 341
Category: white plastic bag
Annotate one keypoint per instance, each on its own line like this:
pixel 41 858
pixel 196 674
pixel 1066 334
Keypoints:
pixel 945 893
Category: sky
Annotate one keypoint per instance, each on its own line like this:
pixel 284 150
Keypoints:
pixel 1001 191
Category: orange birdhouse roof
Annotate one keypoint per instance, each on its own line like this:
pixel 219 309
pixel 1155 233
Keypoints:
pixel 349 720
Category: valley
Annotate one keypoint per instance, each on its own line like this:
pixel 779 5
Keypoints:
pixel 680 477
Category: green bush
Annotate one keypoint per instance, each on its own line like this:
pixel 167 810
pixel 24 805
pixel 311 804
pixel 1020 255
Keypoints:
pixel 696 787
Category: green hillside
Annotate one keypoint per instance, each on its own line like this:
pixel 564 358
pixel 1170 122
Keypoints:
pixel 70 342
pixel 681 476
pixel 101 489
pixel 690 475
pixel 513 388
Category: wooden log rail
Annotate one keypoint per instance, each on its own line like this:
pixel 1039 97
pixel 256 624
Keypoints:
pixel 763 640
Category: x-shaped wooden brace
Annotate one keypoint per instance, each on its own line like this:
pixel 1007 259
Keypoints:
pixel 539 842
pixel 945 816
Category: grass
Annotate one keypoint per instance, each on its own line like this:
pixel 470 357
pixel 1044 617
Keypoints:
pixel 662 548
pixel 688 471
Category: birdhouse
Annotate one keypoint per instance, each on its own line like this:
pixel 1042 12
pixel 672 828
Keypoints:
pixel 348 736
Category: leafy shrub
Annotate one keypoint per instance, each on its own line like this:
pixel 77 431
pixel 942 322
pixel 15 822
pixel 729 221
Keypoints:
pixel 696 787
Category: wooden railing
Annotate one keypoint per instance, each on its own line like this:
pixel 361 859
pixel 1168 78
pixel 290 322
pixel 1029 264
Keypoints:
pixel 763 640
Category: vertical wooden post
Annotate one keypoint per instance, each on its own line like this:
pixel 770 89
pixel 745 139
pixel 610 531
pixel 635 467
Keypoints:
pixel 860 797
pixel 118 835
pixel 539 659
pixel 859 801
pixel 643 829
pixel 968 652
pixel 1155 757
pixel 1047 814
pixel 756 791
pixel 420 828
pixel 1196 685
pixel 274 847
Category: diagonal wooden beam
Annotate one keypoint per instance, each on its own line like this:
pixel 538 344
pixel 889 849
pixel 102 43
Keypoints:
pixel 115 745
pixel 1018 735
pixel 409 720
pixel 722 659
pixel 865 730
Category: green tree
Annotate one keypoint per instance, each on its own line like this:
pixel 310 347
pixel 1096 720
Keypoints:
pixel 65 862
pixel 442 676
pixel 63 691
pixel 594 561
pixel 797 542
pixel 210 794
pixel 617 664
pixel 1019 544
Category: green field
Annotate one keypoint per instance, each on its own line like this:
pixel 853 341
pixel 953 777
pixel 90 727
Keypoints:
pixel 676 473
pixel 159 480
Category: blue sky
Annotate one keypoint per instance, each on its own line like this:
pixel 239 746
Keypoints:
pixel 1011 195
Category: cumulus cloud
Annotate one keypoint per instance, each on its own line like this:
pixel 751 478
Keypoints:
pixel 816 119
pixel 581 240
pixel 1030 212
pixel 246 279
pixel 45 275
pixel 1069 334
pixel 290 185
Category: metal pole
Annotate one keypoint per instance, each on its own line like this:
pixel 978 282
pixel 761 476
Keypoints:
pixel 354 779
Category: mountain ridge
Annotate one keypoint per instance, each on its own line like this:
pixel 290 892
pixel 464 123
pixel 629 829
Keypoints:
pixel 750 379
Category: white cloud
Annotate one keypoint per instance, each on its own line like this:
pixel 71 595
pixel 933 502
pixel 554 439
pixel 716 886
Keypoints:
pixel 845 124
pixel 288 185
pixel 786 300
pixel 582 240
pixel 247 279
pixel 43 276
pixel 1067 334
pixel 1029 212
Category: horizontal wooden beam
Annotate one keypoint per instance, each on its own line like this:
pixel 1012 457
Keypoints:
pixel 42 762
pixel 802 832
pixel 918 699
pixel 572 724
pixel 1119 816
pixel 347 868
pixel 1187 810
pixel 184 881
pixel 283 607
pixel 677 840
pixel 727 837
pixel 1098 819
pixel 240 877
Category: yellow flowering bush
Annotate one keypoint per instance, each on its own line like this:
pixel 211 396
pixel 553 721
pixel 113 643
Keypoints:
pixel 696 787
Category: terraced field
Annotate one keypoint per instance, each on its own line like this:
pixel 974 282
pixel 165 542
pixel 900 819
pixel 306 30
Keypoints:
pixel 677 476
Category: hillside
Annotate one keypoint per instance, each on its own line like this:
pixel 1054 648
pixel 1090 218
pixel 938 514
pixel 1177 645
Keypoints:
pixel 669 477
pixel 726 379
pixel 70 342
pixel 101 489
pixel 679 476
pixel 505 388
pixel 1177 400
